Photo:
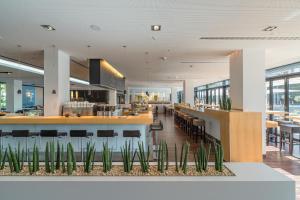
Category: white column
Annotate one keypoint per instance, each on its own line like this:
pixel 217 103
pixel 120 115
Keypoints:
pixel 56 80
pixel 174 95
pixel 247 83
pixel 14 95
pixel 188 92
pixel 112 97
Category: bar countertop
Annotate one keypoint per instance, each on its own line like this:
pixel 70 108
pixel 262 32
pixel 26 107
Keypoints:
pixel 144 118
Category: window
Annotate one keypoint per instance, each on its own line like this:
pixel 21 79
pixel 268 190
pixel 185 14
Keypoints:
pixel 2 96
pixel 294 96
pixel 268 103
pixel 278 95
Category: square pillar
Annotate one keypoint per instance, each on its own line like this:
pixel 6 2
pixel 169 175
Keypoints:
pixel 56 80
pixel 247 83
pixel 188 92
pixel 112 97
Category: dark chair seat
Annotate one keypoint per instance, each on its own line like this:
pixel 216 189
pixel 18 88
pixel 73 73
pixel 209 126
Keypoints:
pixel 106 133
pixel 20 133
pixel 157 126
pixel 80 133
pixel 52 133
pixel 131 133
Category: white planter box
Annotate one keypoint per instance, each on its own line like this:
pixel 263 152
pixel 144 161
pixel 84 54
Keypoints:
pixel 253 181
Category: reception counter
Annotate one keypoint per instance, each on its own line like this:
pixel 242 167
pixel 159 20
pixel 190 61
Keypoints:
pixel 140 122
pixel 239 132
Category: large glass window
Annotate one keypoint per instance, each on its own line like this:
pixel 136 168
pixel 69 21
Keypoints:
pixel 2 96
pixel 278 95
pixel 268 95
pixel 294 96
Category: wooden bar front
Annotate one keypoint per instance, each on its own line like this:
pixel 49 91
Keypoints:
pixel 240 133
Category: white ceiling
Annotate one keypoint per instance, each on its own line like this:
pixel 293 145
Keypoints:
pixel 128 22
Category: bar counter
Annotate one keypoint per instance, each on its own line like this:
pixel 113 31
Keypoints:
pixel 91 124
pixel 239 132
pixel 144 118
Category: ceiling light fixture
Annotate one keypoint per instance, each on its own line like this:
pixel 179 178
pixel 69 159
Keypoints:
pixel 76 80
pixel 8 73
pixel 95 27
pixel 270 28
pixel 156 27
pixel 48 27
pixel 34 70
pixel 110 68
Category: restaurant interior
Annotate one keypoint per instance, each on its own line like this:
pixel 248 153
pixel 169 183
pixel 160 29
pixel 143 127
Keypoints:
pixel 201 95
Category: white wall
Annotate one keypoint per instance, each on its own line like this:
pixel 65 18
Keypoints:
pixel 39 95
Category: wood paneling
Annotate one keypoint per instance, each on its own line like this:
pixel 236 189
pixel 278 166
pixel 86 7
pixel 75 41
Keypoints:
pixel 240 133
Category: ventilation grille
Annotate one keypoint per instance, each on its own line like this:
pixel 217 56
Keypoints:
pixel 250 38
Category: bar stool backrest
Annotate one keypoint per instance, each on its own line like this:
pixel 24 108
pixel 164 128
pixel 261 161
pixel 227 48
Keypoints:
pixel 49 133
pixel 105 133
pixel 78 133
pixel 131 133
pixel 20 133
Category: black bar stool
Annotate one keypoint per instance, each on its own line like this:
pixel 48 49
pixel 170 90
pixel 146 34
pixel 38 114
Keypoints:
pixel 2 136
pixel 132 134
pixel 54 134
pixel 106 134
pixel 199 129
pixel 154 127
pixel 81 134
pixel 25 134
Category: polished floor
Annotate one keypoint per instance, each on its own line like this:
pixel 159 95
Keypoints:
pixel 280 161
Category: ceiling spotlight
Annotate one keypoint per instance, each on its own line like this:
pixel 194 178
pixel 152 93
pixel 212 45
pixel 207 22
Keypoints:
pixel 95 27
pixel 164 58
pixel 48 27
pixel 191 66
pixel 270 28
pixel 124 46
pixel 156 27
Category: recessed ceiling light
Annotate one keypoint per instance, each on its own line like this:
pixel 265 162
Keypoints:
pixel 270 28
pixel 153 38
pixel 124 46
pixel 156 27
pixel 164 58
pixel 95 27
pixel 48 27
